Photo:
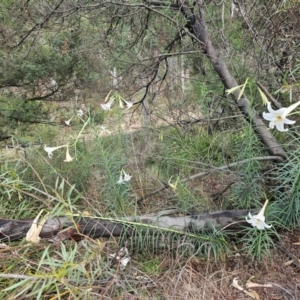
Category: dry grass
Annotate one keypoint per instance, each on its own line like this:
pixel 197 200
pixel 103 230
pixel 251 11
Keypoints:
pixel 195 278
pixel 176 277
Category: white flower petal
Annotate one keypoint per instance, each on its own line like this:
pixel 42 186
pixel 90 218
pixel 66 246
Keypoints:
pixel 258 220
pixel 287 121
pixel 69 121
pixel 124 261
pixel 127 177
pixel 80 113
pixel 107 106
pixel 129 104
pixel 281 111
pixel 280 127
pixel 267 226
pixel 68 156
pixel 263 225
pixel 121 180
pixel 290 109
pixel 49 150
pixel 272 124
pixel 268 116
pixel 269 107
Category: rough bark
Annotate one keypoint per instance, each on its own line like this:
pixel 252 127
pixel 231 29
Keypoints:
pixel 61 228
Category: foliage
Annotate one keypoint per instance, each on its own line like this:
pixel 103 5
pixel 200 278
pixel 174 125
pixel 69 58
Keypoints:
pixel 58 273
pixel 286 190
pixel 15 111
pixel 74 55
pixel 249 187
pixel 258 243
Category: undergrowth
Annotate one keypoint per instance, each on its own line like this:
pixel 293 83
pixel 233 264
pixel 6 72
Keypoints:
pixel 88 185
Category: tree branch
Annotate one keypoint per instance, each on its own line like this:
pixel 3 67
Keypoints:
pixel 38 25
pixel 214 169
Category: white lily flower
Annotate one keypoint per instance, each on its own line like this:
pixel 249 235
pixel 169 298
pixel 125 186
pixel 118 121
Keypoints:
pixel 68 121
pixel 129 104
pixel 49 150
pixel 107 106
pixel 124 177
pixel 121 180
pixel 124 261
pixel 68 156
pixel 103 129
pixel 259 219
pixel 80 112
pixel 278 117
pixel 127 177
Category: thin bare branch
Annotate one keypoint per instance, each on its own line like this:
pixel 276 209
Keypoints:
pixel 212 169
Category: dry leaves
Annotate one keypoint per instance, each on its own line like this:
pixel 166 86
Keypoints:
pixel 251 294
pixel 250 284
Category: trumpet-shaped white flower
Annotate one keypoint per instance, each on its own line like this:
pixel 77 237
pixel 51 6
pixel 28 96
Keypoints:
pixel 103 129
pixel 124 177
pixel 80 112
pixel 68 156
pixel 107 106
pixel 259 219
pixel 127 177
pixel 50 150
pixel 124 261
pixel 278 117
pixel 68 121
pixel 128 103
pixel 121 103
pixel 121 180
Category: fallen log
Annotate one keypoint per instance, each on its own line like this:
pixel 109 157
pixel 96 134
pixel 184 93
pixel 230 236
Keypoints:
pixel 61 228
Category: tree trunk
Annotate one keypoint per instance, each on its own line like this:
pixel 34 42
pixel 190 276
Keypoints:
pixel 198 28
pixel 61 228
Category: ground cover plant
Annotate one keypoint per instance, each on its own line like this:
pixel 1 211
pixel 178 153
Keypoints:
pixel 149 150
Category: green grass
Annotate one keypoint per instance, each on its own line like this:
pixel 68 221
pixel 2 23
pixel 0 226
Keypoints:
pixel 89 184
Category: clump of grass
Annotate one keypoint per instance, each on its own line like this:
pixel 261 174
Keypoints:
pixel 73 270
pixel 69 271
pixel 258 243
pixel 249 186
pixel 287 190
